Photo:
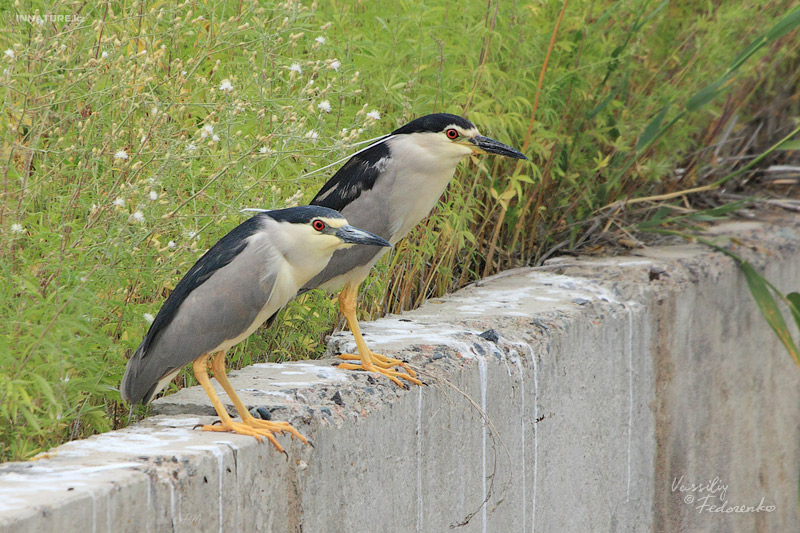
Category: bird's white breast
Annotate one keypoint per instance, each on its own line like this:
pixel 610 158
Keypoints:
pixel 419 170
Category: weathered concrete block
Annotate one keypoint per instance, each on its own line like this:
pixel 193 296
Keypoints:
pixel 590 394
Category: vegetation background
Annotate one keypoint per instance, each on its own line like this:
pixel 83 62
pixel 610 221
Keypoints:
pixel 133 133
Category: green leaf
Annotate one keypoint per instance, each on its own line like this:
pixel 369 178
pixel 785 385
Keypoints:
pixel 639 25
pixel 789 145
pixel 782 27
pixel 785 25
pixel 706 94
pixel 769 308
pixel 653 129
pixel 793 299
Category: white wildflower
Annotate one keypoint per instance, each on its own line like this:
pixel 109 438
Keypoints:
pixel 184 73
pixel 17 228
pixel 215 138
pixel 325 106
pixel 226 85
pixel 335 65
pixel 119 202
pixel 148 318
pixel 171 244
pixel 121 154
pixel 374 114
pixel 104 55
pixel 263 149
pixel 320 39
pixel 192 235
pixel 312 134
pixel 137 216
pixel 296 68
pixel 206 130
pixel 295 199
pixel 10 53
pixel 191 147
pixel 153 195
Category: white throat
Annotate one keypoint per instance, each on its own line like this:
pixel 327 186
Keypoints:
pixel 423 164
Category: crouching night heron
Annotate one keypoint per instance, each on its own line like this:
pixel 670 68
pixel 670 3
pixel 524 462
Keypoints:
pixel 388 188
pixel 239 284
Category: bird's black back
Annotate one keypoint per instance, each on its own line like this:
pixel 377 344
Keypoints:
pixel 356 176
pixel 361 170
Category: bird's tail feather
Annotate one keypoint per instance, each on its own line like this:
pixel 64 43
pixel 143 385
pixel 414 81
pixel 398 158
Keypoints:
pixel 127 386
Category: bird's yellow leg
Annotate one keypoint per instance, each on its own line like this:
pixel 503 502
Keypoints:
pixel 218 364
pixel 371 362
pixel 200 366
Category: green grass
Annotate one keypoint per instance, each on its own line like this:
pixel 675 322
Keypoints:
pixel 124 157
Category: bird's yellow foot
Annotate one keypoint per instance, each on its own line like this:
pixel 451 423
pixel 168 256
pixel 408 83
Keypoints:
pixel 381 361
pixel 393 375
pixel 257 430
pixel 278 427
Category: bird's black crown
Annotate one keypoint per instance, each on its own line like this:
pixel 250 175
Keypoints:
pixel 433 123
pixel 302 214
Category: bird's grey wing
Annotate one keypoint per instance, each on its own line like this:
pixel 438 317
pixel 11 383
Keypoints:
pixel 218 256
pixel 359 175
pixel 343 262
pixel 372 216
pixel 215 301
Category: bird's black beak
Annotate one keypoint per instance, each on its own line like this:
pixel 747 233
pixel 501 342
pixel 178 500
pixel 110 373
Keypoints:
pixel 352 235
pixel 490 146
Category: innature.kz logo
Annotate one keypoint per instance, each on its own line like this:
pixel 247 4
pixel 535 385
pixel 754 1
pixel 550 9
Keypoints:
pixel 41 19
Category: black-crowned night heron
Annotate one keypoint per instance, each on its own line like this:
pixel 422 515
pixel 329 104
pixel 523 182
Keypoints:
pixel 239 284
pixel 388 188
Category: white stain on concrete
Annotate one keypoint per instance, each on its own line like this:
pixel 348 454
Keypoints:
pixel 484 414
pixel 420 524
pixel 220 457
pixel 279 394
pixel 535 436
pixel 307 373
pixel 17 488
pixel 133 441
pixel 515 357
pixel 630 398
pixel 189 422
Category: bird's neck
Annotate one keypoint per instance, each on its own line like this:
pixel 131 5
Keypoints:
pixel 421 177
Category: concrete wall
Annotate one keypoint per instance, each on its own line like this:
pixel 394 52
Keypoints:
pixel 587 395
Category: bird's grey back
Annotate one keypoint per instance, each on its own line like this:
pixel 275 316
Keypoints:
pixel 386 189
pixel 215 302
pixel 356 179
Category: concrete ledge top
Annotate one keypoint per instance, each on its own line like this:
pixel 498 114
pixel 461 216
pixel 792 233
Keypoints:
pixel 145 474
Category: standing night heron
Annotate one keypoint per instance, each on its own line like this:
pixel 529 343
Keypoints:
pixel 388 188
pixel 240 283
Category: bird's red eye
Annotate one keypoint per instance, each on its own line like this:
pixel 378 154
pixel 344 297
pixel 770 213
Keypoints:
pixel 451 133
pixel 318 225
